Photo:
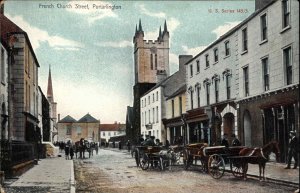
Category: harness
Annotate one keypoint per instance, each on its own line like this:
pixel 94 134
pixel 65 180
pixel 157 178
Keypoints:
pixel 261 152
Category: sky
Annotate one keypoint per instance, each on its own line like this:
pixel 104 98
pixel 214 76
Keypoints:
pixel 88 44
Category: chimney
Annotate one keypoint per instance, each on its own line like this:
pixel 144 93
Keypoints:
pixel 160 75
pixel 183 59
pixel 259 4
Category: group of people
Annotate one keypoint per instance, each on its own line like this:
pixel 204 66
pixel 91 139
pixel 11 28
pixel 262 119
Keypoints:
pixel 69 150
pixel 235 140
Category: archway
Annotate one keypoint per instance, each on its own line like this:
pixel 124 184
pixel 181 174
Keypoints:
pixel 228 124
pixel 247 128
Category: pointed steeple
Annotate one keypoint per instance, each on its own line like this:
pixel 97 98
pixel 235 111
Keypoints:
pixel 49 89
pixel 140 26
pixel 165 27
pixel 159 34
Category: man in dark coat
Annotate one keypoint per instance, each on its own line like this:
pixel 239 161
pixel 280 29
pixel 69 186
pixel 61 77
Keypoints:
pixel 293 150
pixel 225 140
pixel 235 141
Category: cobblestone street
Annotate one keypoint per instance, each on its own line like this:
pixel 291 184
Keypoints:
pixel 115 171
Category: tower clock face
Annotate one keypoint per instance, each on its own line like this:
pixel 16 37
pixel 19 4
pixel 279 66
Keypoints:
pixel 153 49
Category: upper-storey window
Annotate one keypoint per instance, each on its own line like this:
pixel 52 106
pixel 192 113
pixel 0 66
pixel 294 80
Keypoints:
pixel 191 70
pixel 245 39
pixel 217 90
pixel 180 105
pixel 155 61
pixel 228 86
pixel 263 27
pixel 265 67
pixel 2 66
pixel 207 60
pixel 151 61
pixel 285 13
pixel 246 80
pixel 227 48
pixel 173 108
pixel 216 55
pixel 288 65
pixel 198 66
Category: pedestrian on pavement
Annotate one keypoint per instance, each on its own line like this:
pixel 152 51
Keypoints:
pixel 235 141
pixel 128 145
pixel 225 140
pixel 71 151
pixel 293 150
pixel 67 150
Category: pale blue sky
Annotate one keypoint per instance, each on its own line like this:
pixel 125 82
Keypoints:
pixel 91 52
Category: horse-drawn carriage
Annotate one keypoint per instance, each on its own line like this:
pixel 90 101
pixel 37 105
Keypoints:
pixel 157 156
pixel 214 159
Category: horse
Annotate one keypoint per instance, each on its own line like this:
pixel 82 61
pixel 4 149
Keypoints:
pixel 259 156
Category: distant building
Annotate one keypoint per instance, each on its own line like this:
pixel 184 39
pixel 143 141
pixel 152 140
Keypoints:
pixel 153 103
pixel 110 130
pixel 87 127
pixel 150 57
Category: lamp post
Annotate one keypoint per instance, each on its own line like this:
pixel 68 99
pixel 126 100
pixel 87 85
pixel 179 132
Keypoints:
pixel 183 119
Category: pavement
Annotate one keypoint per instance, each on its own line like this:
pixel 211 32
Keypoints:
pixel 56 175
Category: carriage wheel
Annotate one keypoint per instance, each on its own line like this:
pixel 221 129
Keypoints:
pixel 186 159
pixel 216 166
pixel 144 162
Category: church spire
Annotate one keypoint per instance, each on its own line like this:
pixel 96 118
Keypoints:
pixel 165 27
pixel 49 89
pixel 140 26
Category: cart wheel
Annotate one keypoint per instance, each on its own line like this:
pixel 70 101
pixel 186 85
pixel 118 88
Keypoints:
pixel 216 166
pixel 144 163
pixel 186 159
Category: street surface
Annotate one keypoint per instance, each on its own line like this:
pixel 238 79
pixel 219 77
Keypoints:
pixel 115 172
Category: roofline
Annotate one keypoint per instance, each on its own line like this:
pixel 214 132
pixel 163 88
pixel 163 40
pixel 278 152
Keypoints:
pixel 231 31
pixel 29 44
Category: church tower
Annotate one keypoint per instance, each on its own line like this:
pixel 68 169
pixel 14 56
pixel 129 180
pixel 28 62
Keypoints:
pixel 150 56
pixel 51 98
pixel 151 63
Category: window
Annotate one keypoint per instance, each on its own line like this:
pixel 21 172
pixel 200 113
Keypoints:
pixel 198 66
pixel 285 13
pixel 2 67
pixel 198 95
pixel 191 69
pixel 263 24
pixel 103 133
pixel 108 133
pixel 153 115
pixel 227 48
pixel 115 133
pixel 145 117
pixel 145 101
pixel 288 65
pixel 69 130
pixel 228 85
pixel 207 60
pixel 153 97
pixel 180 105
pixel 217 90
pixel 149 116
pixel 216 55
pixel 246 80
pixel 156 95
pixel 265 67
pixel 245 39
pixel 207 93
pixel 155 61
pixel 142 119
pixel 192 101
pixel 156 114
pixel 151 61
pixel 149 100
pixel 172 108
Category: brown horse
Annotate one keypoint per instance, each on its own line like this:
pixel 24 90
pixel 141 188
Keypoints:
pixel 259 156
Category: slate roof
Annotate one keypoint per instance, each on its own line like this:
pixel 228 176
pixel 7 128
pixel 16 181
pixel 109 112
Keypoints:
pixel 181 90
pixel 88 119
pixel 8 27
pixel 67 119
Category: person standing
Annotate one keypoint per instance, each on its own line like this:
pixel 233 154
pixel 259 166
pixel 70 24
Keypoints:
pixel 225 140
pixel 235 141
pixel 293 150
